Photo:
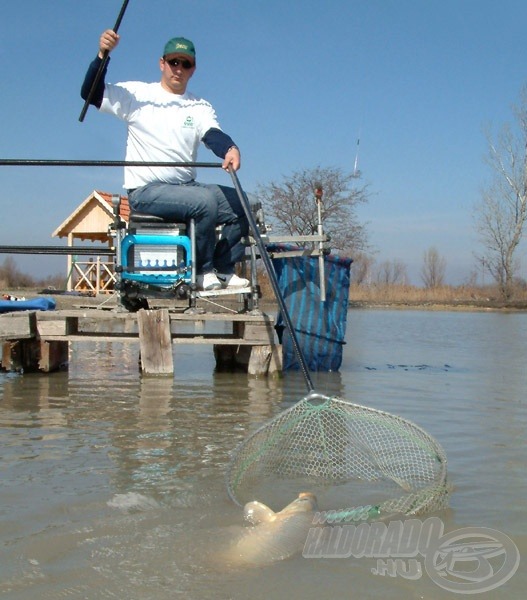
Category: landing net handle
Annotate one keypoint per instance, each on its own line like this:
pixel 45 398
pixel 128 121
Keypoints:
pixel 273 279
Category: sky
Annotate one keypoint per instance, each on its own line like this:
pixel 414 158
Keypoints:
pixel 407 88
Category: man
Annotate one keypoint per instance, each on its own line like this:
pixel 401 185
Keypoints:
pixel 166 124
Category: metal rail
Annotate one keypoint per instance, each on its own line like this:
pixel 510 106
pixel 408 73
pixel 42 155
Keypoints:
pixel 63 250
pixel 80 251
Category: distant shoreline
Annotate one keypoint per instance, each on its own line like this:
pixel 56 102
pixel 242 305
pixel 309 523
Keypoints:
pixel 477 305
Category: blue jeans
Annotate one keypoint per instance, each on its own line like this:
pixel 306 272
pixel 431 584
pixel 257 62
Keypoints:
pixel 209 205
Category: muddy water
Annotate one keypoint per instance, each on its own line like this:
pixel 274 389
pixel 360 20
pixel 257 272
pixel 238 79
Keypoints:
pixel 112 485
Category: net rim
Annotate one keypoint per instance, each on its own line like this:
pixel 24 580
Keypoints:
pixel 439 488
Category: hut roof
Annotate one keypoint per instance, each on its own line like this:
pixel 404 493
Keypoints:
pixel 91 219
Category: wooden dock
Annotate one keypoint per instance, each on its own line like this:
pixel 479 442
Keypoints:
pixel 39 340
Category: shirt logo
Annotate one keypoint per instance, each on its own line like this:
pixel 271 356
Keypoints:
pixel 188 122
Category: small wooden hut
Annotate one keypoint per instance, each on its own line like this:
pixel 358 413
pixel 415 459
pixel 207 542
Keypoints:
pixel 91 221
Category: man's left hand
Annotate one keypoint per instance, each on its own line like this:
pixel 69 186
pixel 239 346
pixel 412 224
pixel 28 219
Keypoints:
pixel 232 158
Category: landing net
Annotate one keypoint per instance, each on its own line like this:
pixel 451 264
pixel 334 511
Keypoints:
pixel 362 463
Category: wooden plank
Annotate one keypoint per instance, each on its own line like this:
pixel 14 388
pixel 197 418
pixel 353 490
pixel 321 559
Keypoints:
pixel 51 328
pixel 213 339
pixel 64 323
pixel 112 315
pixel 92 337
pixel 155 342
pixel 261 332
pixel 86 313
pixel 18 325
pixel 130 339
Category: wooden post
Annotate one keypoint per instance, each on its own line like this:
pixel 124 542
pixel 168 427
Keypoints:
pixel 155 342
pixel 257 360
pixel 21 355
pixel 276 361
pixel 53 356
pixel 71 261
pixel 98 276
pixel 23 349
pixel 264 360
pixel 33 355
pixel 224 356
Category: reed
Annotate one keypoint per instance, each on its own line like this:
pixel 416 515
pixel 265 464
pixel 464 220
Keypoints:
pixel 446 295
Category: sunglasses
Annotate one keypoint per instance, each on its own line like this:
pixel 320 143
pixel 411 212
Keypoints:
pixel 176 62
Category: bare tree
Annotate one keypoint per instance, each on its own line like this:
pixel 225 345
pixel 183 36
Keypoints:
pixel 392 273
pixel 293 210
pixel 502 213
pixel 433 269
pixel 361 268
pixel 11 276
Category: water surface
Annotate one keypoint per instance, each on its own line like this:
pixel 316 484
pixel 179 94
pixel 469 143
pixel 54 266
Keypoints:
pixel 112 485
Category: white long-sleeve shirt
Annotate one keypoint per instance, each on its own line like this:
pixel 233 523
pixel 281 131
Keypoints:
pixel 162 127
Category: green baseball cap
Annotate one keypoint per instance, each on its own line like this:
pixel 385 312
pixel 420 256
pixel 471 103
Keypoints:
pixel 180 45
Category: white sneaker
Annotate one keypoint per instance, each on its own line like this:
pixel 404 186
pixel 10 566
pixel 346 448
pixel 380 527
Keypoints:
pixel 232 280
pixel 208 282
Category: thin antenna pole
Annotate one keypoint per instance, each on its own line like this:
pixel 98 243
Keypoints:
pixel 356 165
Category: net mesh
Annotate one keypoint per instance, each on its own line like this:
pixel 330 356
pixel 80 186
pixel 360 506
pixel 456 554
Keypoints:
pixel 361 463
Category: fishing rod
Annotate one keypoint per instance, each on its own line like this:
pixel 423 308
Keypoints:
pixel 38 162
pixel 102 66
